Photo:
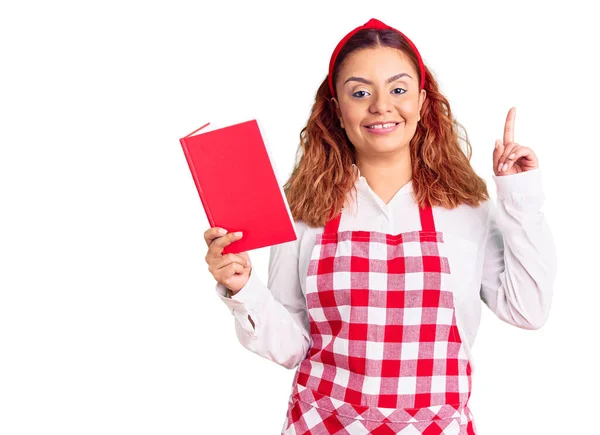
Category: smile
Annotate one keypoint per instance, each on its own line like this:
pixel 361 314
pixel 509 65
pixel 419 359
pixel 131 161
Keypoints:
pixel 386 128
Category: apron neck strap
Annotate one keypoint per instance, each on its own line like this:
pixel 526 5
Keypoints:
pixel 332 225
pixel 426 215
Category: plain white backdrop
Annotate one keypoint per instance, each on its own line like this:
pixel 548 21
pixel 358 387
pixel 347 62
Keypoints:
pixel 109 321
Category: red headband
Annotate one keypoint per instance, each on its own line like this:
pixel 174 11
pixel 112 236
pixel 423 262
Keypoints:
pixel 371 24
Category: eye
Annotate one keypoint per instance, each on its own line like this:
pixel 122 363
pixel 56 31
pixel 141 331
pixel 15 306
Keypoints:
pixel 357 92
pixel 355 95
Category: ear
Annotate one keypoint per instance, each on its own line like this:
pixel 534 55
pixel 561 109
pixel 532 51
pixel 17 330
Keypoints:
pixel 422 97
pixel 338 112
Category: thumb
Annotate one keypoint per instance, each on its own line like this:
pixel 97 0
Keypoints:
pixel 498 150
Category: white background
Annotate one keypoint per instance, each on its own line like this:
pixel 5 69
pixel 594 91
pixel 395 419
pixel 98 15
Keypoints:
pixel 109 321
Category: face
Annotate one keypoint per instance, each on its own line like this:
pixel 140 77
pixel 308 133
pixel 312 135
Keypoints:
pixel 375 86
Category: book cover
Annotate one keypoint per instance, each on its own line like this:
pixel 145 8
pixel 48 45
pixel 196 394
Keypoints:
pixel 238 186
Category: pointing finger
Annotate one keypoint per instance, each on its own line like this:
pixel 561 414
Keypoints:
pixel 509 126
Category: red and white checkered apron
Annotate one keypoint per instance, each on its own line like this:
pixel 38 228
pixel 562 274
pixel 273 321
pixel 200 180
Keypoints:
pixel 387 357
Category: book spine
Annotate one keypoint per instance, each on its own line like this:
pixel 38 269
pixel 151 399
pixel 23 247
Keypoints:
pixel 189 160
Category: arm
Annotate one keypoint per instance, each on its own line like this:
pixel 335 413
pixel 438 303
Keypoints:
pixel 229 294
pixel 519 263
pixel 272 321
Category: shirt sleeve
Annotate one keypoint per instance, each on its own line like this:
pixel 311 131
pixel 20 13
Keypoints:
pixel 519 265
pixel 281 331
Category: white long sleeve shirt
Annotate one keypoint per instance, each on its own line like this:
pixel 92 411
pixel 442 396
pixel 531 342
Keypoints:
pixel 502 255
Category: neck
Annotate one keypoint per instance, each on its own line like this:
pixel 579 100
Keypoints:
pixel 386 177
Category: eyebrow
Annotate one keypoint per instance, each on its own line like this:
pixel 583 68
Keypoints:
pixel 368 82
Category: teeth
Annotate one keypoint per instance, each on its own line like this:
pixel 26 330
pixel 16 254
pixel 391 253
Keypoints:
pixel 388 125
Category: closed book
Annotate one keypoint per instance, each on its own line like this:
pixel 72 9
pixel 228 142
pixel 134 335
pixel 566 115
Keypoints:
pixel 238 186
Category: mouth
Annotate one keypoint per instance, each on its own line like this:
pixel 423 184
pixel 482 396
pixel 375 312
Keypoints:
pixel 382 128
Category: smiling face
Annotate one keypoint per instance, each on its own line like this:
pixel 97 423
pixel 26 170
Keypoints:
pixel 379 86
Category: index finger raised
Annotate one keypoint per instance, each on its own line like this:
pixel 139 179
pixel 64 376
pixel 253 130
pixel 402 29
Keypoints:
pixel 509 126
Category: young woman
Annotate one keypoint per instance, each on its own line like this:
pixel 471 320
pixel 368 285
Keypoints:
pixel 378 301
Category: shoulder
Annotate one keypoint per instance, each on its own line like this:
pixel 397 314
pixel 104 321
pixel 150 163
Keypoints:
pixel 303 233
pixel 466 213
pixel 466 222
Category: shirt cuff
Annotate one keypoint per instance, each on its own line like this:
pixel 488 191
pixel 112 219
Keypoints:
pixel 249 301
pixel 522 190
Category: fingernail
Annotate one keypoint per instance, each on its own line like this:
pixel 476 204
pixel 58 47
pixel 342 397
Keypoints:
pixel 238 234
pixel 512 156
pixel 497 142
pixel 499 167
pixel 505 167
pixel 222 231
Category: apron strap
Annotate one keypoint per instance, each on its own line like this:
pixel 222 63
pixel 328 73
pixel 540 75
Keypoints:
pixel 426 215
pixel 332 225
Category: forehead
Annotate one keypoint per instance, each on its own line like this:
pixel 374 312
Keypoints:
pixel 378 61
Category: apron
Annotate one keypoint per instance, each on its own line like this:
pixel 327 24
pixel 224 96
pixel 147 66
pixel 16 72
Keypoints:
pixel 387 357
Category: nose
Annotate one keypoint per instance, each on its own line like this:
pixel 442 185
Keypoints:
pixel 381 103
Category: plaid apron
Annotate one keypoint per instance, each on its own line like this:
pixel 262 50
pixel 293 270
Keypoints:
pixel 387 357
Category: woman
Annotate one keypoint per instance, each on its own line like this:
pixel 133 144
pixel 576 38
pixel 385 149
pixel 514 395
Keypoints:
pixel 378 301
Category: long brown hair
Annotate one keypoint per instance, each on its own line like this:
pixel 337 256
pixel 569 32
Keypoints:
pixel 323 174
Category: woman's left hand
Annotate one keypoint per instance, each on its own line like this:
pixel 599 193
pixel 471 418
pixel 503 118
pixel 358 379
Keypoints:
pixel 510 157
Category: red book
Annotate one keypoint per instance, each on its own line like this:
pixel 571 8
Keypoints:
pixel 238 186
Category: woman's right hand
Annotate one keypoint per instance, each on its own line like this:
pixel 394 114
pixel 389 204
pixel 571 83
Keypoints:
pixel 231 270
